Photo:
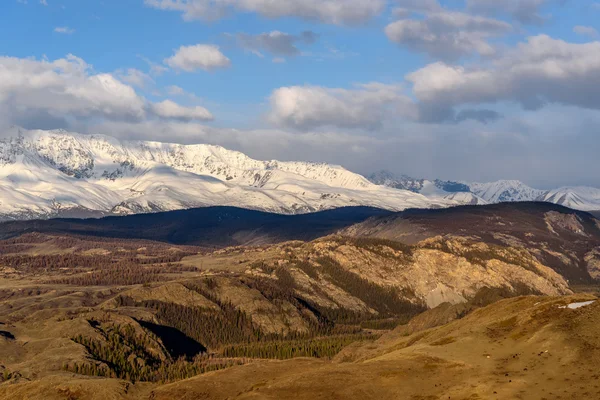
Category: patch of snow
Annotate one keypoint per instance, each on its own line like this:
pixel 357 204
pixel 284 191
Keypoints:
pixel 574 306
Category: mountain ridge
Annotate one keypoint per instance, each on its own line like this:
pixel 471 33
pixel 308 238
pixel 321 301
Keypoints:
pixel 582 198
pixel 51 174
pixel 46 173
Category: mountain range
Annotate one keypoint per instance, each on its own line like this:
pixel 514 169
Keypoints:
pixel 46 174
pixel 581 198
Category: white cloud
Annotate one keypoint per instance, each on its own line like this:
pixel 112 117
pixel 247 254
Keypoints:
pixel 540 71
pixel 65 87
pixel 170 110
pixel 447 35
pixel 524 11
pixel 367 106
pixel 64 29
pixel 200 56
pixel 586 31
pixel 54 94
pixel 275 42
pixel 339 12
pixel 43 2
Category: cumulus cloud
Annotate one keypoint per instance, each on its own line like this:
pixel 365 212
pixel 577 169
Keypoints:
pixel 537 72
pixel 43 93
pixel 65 87
pixel 170 110
pixel 366 106
pixel 201 56
pixel 447 35
pixel 524 11
pixel 275 42
pixel 586 31
pixel 339 12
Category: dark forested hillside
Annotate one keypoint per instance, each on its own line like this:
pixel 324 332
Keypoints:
pixel 212 226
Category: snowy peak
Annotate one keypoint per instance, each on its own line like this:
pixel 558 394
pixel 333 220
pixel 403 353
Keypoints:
pixel 466 198
pixel 505 191
pixel 50 173
pixel 579 198
pixel 57 173
pixel 97 156
pixel 403 182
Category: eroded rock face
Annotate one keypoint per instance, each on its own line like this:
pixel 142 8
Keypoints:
pixel 438 270
pixel 557 221
pixel 593 263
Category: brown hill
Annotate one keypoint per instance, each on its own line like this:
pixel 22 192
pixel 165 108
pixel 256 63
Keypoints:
pixel 100 317
pixel 566 240
pixel 521 348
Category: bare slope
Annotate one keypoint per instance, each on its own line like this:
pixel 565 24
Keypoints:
pixel 564 239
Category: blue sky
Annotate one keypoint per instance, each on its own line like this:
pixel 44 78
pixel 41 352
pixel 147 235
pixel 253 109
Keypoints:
pixel 457 89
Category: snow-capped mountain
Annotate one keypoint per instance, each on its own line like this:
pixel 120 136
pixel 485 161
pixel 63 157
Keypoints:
pixel 579 198
pixel 445 191
pixel 403 182
pixel 46 174
pixel 56 173
pixel 505 191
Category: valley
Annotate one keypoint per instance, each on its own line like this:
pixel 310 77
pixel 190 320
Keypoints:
pixel 384 305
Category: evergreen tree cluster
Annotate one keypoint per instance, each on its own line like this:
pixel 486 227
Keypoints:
pixel 123 354
pixel 326 347
pixel 123 274
pixel 211 328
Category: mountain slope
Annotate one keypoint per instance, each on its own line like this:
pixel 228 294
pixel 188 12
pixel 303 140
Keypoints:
pixel 566 240
pixel 49 173
pixel 502 191
pixel 209 226
pixel 508 350
pixel 580 198
pixel 473 193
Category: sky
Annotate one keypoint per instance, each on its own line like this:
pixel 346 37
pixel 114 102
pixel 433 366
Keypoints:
pixel 471 90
